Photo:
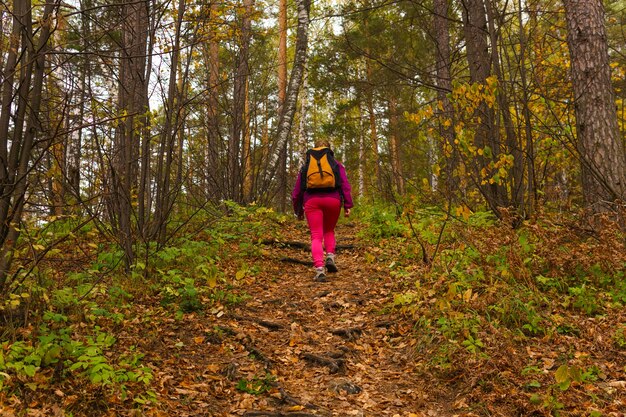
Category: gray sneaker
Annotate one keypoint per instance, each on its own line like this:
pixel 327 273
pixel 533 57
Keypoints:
pixel 320 275
pixel 330 263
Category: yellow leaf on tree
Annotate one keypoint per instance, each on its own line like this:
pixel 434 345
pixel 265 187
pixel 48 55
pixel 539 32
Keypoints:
pixel 464 212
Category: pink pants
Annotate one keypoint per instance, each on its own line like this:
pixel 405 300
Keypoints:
pixel 322 214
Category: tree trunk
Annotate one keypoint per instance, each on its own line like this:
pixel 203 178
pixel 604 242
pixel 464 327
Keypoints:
pixel 601 149
pixel 282 53
pixel 215 181
pixel 235 186
pixel 303 137
pixel 449 150
pixel 132 103
pixel 531 186
pixel 167 145
pixel 479 59
pixel 293 89
pixel 362 151
pixel 145 196
pixel 16 165
pixel 514 148
pixel 372 125
pixel 394 146
pixel 247 151
pixel 282 91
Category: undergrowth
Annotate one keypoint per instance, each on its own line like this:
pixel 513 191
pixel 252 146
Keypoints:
pixel 532 312
pixel 66 320
pixel 514 299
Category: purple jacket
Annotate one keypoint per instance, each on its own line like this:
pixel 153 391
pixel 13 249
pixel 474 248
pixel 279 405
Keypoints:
pixel 300 197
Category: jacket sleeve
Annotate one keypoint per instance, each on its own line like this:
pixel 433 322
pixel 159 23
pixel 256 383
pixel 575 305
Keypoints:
pixel 297 197
pixel 346 188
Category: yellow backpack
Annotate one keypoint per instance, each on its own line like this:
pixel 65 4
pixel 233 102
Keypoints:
pixel 320 171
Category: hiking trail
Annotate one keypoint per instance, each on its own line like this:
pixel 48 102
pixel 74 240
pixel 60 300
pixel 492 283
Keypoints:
pixel 299 348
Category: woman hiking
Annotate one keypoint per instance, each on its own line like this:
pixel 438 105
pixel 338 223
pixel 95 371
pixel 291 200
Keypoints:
pixel 321 189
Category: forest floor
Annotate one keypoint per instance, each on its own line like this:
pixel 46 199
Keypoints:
pixel 298 347
pixel 506 323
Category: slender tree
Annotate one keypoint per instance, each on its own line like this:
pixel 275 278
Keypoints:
pixel 27 60
pixel 443 63
pixel 168 153
pixel 215 181
pixel 288 111
pixel 238 130
pixel 282 93
pixel 394 145
pixel 486 134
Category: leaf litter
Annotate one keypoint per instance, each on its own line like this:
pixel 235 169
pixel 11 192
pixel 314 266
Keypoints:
pixel 360 344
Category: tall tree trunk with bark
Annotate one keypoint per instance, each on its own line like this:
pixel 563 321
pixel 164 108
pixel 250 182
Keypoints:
pixel 215 181
pixel 167 146
pixel 303 135
pixel 282 92
pixel 479 59
pixel 394 146
pixel 287 114
pixel 513 146
pixel 247 150
pixel 362 151
pixel 449 150
pixel 235 186
pixel 601 149
pixel 132 104
pixel 531 186
pixel 373 130
pixel 145 197
pixel 25 98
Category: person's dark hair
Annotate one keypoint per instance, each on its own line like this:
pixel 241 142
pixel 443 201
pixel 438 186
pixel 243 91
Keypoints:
pixel 322 142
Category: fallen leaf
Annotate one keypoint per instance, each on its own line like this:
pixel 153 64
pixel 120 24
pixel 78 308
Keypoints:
pixel 296 408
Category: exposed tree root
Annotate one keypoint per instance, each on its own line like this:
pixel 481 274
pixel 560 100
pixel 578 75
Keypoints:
pixel 265 323
pixel 334 364
pixel 350 333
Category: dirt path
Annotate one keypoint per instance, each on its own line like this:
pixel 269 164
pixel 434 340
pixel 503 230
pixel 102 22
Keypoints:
pixel 313 348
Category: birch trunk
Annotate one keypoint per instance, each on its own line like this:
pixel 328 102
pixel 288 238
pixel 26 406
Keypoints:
pixel 289 109
pixel 303 137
